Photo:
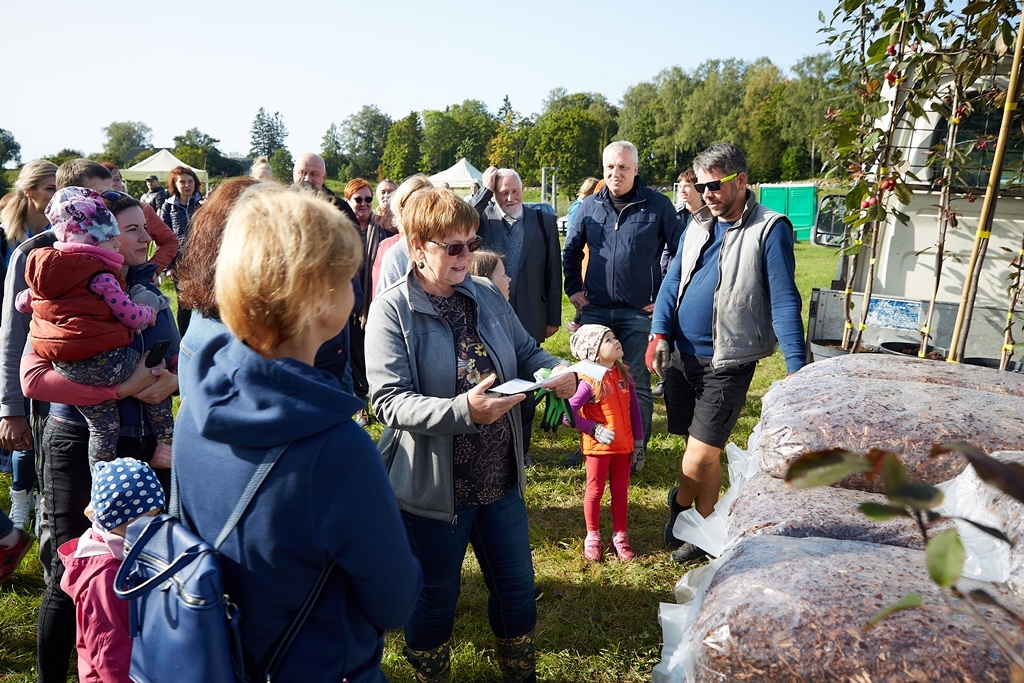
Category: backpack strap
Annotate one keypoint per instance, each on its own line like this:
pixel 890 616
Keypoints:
pixel 262 470
pixel 290 633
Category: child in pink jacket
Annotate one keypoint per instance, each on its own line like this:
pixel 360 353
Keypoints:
pixel 123 490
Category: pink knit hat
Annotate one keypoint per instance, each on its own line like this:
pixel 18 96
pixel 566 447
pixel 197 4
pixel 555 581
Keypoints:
pixel 78 214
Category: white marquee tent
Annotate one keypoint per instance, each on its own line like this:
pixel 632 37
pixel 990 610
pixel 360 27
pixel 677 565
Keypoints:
pixel 461 175
pixel 160 164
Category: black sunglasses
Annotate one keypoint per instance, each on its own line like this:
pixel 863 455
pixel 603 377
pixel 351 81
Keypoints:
pixel 714 185
pixel 456 249
pixel 114 195
pixel 363 200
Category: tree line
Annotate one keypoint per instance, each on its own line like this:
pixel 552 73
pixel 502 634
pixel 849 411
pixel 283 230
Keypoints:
pixel 775 117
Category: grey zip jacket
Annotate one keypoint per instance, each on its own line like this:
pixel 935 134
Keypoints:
pixel 411 367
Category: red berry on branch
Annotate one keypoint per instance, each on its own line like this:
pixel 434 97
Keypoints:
pixel 891 50
pixel 891 78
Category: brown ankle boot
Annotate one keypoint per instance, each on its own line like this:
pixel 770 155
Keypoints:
pixel 517 658
pixel 430 666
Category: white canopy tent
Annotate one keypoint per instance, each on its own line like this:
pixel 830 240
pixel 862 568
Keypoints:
pixel 462 175
pixel 160 164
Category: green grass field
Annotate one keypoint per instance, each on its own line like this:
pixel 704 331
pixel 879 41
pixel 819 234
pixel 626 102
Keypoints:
pixel 596 622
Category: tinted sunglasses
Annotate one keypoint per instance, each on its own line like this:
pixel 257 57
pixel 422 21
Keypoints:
pixel 714 185
pixel 456 249
pixel 363 200
pixel 114 195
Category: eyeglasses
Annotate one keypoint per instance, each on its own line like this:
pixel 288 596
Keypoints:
pixel 363 200
pixel 456 249
pixel 114 195
pixel 714 185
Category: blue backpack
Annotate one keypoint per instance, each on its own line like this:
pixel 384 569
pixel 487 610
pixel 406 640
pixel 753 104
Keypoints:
pixel 183 624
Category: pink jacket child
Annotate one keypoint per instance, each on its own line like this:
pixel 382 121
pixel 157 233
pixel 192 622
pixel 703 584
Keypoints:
pixel 123 490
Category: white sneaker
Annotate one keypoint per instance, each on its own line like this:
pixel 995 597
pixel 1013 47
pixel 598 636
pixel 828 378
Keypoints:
pixel 21 505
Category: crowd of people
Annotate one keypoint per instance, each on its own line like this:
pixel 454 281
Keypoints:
pixel 301 317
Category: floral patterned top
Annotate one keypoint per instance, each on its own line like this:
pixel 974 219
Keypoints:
pixel 483 463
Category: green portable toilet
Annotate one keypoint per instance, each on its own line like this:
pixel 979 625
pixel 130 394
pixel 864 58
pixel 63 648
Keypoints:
pixel 796 201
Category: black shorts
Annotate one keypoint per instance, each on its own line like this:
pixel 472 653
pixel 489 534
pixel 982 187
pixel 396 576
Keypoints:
pixel 702 402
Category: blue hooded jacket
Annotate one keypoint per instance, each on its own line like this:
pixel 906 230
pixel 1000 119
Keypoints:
pixel 327 497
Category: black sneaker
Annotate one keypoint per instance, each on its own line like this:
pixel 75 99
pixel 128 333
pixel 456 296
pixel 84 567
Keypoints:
pixel 574 460
pixel 674 509
pixel 687 552
pixel 527 461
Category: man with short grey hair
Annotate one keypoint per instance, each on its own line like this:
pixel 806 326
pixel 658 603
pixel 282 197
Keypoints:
pixel 383 212
pixel 527 240
pixel 734 278
pixel 310 168
pixel 626 227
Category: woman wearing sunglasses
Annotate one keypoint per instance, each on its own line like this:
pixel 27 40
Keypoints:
pixel 454 452
pixel 359 196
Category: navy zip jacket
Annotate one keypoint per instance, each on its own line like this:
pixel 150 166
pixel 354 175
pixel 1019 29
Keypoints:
pixel 624 268
pixel 327 498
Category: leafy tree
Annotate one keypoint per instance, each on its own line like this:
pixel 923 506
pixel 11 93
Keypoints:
pixel 268 134
pixel 461 130
pixel 330 150
pixel 402 150
pixel 199 150
pixel 806 99
pixel 714 105
pixel 123 136
pixel 10 150
pixel 509 142
pixel 141 156
pixel 761 122
pixel 571 139
pixel 281 164
pixel 65 154
pixel 363 136
pixel 638 123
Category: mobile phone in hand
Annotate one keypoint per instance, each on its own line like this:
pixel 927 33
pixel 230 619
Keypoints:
pixel 157 352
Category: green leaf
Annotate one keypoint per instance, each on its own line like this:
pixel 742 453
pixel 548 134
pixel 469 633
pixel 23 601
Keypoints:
pixel 903 193
pixel 917 496
pixel 880 513
pixel 976 7
pixel 944 558
pixel 909 601
pixel 1008 477
pixel 893 473
pixel 824 468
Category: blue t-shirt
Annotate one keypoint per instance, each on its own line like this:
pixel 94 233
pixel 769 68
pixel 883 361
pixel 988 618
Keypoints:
pixel 693 330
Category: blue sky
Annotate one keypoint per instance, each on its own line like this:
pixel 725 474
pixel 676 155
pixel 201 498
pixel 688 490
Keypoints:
pixel 212 65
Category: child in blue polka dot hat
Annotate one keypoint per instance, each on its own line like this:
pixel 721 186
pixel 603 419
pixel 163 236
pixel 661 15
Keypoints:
pixel 122 491
pixel 83 320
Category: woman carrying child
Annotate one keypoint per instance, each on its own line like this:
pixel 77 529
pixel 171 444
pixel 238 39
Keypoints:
pixel 84 321
pixel 608 415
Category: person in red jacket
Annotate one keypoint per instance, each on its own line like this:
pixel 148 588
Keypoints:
pixel 608 415
pixel 122 491
pixel 82 318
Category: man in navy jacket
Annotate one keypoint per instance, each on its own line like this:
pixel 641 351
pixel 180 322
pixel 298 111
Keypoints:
pixel 626 227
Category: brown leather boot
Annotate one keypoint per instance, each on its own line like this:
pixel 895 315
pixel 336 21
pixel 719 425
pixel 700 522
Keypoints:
pixel 517 658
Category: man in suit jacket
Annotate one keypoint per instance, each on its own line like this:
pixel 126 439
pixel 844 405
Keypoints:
pixel 527 240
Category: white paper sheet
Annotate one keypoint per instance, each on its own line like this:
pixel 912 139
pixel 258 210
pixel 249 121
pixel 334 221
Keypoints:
pixel 519 386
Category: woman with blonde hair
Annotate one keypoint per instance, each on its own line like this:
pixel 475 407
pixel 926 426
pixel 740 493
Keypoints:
pixel 256 389
pixel 22 216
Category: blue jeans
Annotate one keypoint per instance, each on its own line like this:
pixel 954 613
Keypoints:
pixel 24 466
pixel 501 541
pixel 632 327
pixel 6 525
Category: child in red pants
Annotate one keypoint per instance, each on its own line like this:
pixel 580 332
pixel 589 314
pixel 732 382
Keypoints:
pixel 608 415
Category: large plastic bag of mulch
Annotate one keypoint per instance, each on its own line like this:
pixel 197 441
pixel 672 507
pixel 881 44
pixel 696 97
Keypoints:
pixel 809 413
pixel 771 507
pixel 910 369
pixel 794 609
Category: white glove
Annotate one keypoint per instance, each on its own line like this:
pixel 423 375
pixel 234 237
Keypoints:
pixel 603 434
pixel 638 457
pixel 662 358
pixel 144 296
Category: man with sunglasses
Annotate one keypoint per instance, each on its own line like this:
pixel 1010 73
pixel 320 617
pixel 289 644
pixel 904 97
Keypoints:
pixel 527 239
pixel 728 295
pixel 626 227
